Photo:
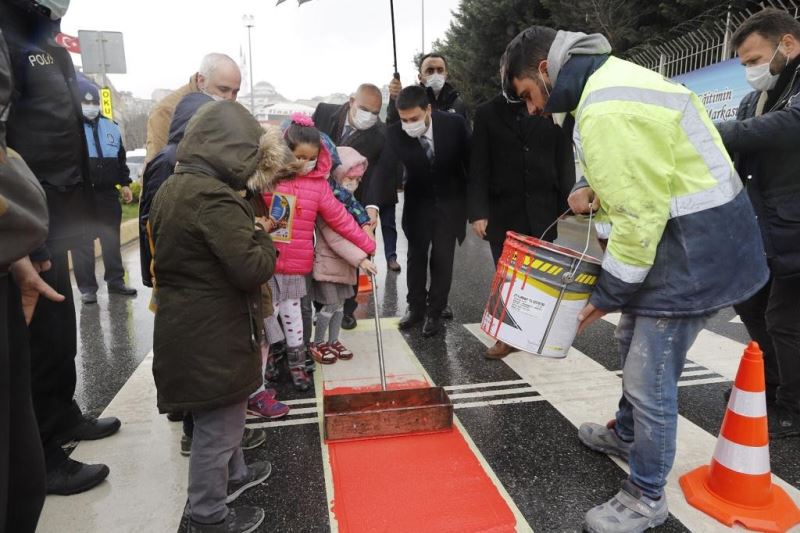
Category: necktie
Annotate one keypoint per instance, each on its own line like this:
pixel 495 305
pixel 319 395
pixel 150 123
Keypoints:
pixel 348 131
pixel 428 147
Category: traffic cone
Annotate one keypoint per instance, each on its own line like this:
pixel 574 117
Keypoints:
pixel 364 284
pixel 737 485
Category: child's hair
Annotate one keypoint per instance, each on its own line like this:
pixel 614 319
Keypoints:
pixel 301 131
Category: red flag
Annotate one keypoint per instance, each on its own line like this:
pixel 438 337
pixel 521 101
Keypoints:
pixel 69 42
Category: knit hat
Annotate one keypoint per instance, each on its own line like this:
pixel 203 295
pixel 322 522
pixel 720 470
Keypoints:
pixel 353 164
pixel 88 91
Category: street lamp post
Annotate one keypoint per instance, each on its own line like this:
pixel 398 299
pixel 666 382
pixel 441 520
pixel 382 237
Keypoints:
pixel 249 22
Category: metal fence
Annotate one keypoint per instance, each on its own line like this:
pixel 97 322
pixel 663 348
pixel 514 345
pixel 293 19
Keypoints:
pixel 700 42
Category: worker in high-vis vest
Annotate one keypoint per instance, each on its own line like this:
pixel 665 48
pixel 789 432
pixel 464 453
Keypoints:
pixel 684 241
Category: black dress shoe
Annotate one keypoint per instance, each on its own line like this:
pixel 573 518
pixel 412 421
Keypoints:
pixel 121 289
pixel 91 429
pixel 411 319
pixel 433 325
pixel 72 477
pixel 447 312
pixel 349 322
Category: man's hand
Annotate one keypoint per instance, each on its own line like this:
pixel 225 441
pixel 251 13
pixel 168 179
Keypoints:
pixel 583 200
pixel 31 285
pixel 127 195
pixel 394 88
pixel 266 223
pixel 588 315
pixel 373 216
pixel 479 227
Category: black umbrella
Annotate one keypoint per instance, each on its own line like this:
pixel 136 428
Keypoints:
pixel 394 38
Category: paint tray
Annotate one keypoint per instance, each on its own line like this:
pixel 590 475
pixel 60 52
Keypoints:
pixel 386 413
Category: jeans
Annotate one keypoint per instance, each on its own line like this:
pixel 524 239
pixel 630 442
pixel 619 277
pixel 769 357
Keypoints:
pixel 653 352
pixel 772 318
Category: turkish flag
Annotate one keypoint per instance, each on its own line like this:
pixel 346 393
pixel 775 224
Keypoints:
pixel 72 44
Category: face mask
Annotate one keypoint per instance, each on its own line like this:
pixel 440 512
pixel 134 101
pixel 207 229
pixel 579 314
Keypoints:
pixel 215 97
pixel 760 78
pixel 435 82
pixel 415 130
pixel 58 8
pixel 351 186
pixel 363 120
pixel 90 111
pixel 309 166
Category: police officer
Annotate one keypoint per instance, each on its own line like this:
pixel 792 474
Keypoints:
pixel 107 172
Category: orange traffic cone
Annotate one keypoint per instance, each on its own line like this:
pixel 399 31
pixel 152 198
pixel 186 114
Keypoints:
pixel 364 284
pixel 737 485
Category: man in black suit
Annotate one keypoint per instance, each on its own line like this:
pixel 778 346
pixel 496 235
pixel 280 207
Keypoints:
pixel 434 148
pixel 521 173
pixel 356 124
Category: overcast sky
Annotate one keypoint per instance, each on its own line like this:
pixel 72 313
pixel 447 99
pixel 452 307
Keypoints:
pixel 319 48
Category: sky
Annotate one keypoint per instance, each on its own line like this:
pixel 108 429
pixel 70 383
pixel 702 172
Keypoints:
pixel 319 48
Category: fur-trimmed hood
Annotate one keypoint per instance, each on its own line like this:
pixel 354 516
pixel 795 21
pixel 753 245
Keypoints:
pixel 275 162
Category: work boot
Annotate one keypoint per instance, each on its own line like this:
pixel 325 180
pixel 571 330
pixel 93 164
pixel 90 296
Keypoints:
pixel 629 511
pixel 604 439
pixel 257 473
pixel 499 350
pixel 73 477
pixel 239 520
pixel 296 361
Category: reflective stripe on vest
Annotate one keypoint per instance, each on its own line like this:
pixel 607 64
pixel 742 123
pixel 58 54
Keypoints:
pixel 753 460
pixel 728 183
pixel 621 271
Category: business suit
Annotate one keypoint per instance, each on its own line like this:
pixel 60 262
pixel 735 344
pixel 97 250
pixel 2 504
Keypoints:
pixel 521 172
pixel 435 211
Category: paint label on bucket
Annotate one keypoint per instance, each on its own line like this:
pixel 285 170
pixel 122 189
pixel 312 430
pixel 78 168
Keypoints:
pixel 532 306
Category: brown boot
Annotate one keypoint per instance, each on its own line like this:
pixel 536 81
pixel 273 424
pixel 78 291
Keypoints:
pixel 499 350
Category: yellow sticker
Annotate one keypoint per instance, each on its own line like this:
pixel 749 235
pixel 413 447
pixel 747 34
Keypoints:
pixel 105 103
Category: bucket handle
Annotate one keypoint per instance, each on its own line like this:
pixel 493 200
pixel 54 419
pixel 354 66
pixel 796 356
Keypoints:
pixel 568 277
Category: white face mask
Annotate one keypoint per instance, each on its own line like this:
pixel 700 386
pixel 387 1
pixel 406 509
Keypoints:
pixel 58 8
pixel 760 78
pixel 215 97
pixel 90 111
pixel 309 166
pixel 415 130
pixel 350 186
pixel 435 82
pixel 363 120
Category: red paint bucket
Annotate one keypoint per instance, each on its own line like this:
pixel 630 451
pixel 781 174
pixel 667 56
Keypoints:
pixel 537 292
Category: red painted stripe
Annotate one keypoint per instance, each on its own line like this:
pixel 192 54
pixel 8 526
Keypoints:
pixel 422 483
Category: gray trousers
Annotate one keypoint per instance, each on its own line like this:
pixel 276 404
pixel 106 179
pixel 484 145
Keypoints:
pixel 216 458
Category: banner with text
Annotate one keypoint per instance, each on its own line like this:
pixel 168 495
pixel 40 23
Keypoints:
pixel 720 87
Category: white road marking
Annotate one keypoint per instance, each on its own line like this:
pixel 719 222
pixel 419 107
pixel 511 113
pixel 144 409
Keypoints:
pixel 582 390
pixel 280 423
pixel 504 401
pixel 485 385
pixel 504 392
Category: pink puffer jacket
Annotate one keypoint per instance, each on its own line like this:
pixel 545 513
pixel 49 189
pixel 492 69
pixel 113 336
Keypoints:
pixel 336 258
pixel 314 197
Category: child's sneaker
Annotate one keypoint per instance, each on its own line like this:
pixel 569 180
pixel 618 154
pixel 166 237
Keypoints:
pixel 340 350
pixel 266 406
pixel 322 353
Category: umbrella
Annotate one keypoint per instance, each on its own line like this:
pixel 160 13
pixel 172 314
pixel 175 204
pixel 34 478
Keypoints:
pixel 394 38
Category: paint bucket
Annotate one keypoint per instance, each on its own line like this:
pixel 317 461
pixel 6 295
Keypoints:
pixel 537 292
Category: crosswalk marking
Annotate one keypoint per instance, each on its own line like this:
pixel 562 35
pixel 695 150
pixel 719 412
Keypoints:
pixel 485 385
pixel 581 389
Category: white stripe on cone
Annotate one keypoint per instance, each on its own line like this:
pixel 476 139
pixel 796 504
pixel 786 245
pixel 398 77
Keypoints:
pixel 751 404
pixel 752 460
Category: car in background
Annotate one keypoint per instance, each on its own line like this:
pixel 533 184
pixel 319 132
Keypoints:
pixel 135 160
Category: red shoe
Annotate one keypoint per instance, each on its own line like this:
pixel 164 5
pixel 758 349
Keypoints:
pixel 322 353
pixel 341 351
pixel 266 407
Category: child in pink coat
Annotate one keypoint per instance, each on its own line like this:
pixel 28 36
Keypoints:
pixel 311 196
pixel 335 263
